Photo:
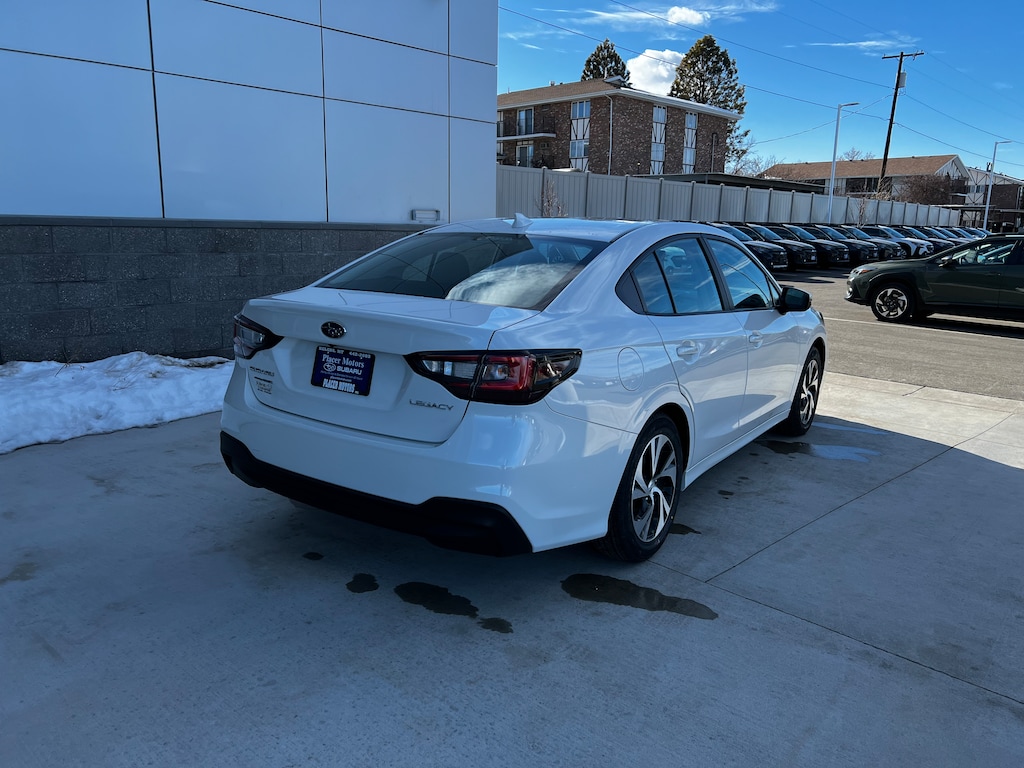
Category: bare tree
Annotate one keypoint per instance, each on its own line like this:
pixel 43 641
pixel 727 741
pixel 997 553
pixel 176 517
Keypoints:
pixel 751 164
pixel 550 206
pixel 855 154
pixel 925 190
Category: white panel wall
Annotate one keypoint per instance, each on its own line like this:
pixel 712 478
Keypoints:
pixel 200 39
pixel 300 10
pixel 112 31
pixel 236 108
pixel 469 78
pixel 474 28
pixel 416 23
pixel 472 184
pixel 240 153
pixel 371 167
pixel 372 72
pixel 77 139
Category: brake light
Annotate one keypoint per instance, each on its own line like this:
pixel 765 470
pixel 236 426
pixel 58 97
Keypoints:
pixel 511 378
pixel 251 337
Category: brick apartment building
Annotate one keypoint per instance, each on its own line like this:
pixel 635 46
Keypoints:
pixel 606 127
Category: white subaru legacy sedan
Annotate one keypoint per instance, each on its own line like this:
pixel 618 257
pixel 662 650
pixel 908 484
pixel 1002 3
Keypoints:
pixel 509 386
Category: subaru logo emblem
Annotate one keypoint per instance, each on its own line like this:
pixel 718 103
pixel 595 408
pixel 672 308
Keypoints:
pixel 333 330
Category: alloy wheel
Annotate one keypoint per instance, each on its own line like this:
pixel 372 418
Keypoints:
pixel 654 488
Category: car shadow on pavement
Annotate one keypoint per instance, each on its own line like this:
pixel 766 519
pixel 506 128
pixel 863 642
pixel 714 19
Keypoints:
pixel 1002 328
pixel 855 571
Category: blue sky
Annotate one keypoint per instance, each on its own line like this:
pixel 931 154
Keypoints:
pixel 799 59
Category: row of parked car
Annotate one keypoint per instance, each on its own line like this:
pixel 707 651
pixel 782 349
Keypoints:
pixel 792 246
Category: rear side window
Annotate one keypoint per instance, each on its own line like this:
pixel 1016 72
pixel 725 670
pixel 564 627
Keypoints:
pixel 674 279
pixel 749 286
pixel 501 269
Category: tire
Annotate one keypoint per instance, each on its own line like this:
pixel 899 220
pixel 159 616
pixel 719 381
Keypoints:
pixel 805 400
pixel 648 495
pixel 893 303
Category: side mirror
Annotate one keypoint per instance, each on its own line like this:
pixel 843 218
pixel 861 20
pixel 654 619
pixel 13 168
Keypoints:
pixel 949 263
pixel 794 300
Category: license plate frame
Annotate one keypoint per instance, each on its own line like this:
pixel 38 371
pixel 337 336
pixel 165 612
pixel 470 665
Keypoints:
pixel 342 370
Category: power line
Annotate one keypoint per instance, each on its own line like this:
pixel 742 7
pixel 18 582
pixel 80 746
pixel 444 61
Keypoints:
pixel 747 47
pixel 645 55
pixel 953 146
pixel 932 56
pixel 950 117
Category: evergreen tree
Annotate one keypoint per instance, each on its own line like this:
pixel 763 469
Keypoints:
pixel 707 75
pixel 605 62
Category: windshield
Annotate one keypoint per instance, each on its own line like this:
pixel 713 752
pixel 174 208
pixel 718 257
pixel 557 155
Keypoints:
pixel 741 236
pixel 892 233
pixel 803 234
pixel 512 270
pixel 766 233
pixel 915 233
pixel 858 233
pixel 835 234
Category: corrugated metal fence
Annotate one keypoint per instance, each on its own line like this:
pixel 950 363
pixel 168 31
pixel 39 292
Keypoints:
pixel 541 192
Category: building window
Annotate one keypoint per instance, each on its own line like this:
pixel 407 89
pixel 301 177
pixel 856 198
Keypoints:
pixel 524 154
pixel 658 141
pixel 501 147
pixel 580 109
pixel 690 143
pixel 524 122
pixel 579 138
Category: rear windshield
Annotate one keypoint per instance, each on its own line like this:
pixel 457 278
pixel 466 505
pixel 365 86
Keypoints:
pixel 509 270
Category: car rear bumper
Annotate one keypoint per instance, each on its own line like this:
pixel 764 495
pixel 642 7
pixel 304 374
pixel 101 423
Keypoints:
pixel 468 526
pixel 525 473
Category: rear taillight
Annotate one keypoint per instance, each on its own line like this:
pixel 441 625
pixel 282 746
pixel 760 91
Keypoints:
pixel 513 378
pixel 251 337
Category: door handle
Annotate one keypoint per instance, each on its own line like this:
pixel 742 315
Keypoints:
pixel 756 339
pixel 688 351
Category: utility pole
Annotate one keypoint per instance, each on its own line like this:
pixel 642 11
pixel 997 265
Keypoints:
pixel 883 187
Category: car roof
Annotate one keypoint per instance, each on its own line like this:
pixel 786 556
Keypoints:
pixel 589 229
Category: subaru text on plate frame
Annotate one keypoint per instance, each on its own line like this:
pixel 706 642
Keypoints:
pixel 508 386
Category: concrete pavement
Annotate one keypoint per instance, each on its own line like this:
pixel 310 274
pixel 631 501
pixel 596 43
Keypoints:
pixel 849 598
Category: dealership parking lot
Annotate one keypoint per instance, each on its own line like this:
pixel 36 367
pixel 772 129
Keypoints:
pixel 852 597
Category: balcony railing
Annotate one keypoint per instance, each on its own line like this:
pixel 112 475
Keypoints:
pixel 510 129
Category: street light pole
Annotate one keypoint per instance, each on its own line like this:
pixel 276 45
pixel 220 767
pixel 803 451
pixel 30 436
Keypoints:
pixel 835 148
pixel 991 174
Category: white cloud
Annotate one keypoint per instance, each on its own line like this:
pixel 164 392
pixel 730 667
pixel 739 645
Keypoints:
pixel 868 46
pixel 634 20
pixel 679 14
pixel 654 71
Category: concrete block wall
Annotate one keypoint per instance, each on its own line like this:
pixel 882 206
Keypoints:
pixel 77 290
